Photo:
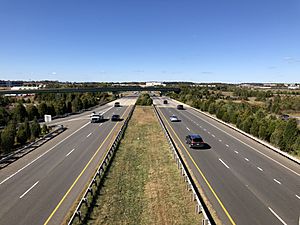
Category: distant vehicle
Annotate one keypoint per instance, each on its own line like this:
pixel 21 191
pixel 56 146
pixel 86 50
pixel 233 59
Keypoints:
pixel 174 118
pixel 117 104
pixel 165 101
pixel 180 107
pixel 96 118
pixel 115 117
pixel 194 141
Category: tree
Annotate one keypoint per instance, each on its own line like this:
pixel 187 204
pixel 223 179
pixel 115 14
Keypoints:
pixel 76 104
pixel 277 135
pixel 296 146
pixel 42 109
pixel 22 135
pixel 290 134
pixel 19 113
pixel 254 127
pixel 263 130
pixel 32 112
pixel 60 107
pixel 35 129
pixel 45 129
pixel 3 116
pixel 8 137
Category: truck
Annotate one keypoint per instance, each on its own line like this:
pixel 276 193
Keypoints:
pixel 96 118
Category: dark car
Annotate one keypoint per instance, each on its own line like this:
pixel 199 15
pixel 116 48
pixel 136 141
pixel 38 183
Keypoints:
pixel 117 104
pixel 180 107
pixel 194 141
pixel 165 101
pixel 115 117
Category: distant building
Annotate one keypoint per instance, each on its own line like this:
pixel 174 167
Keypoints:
pixel 154 83
pixel 21 88
pixel 10 83
pixel 294 87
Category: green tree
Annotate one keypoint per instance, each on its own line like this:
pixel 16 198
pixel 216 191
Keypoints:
pixel 22 134
pixel 254 127
pixel 45 129
pixel 296 146
pixel 35 129
pixel 32 112
pixel 263 130
pixel 4 116
pixel 8 137
pixel 277 136
pixel 76 104
pixel 19 113
pixel 290 134
pixel 60 107
pixel 42 109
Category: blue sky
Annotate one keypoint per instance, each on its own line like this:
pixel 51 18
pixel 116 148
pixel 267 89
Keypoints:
pixel 138 40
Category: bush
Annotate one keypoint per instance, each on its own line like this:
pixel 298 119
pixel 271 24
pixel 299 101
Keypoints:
pixel 144 99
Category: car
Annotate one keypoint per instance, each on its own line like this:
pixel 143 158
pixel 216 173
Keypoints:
pixel 174 118
pixel 97 118
pixel 115 117
pixel 194 141
pixel 117 104
pixel 180 107
pixel 165 101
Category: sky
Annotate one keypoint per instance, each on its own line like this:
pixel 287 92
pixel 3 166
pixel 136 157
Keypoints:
pixel 231 41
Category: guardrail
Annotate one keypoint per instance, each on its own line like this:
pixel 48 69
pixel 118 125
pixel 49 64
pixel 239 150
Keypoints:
pixel 94 186
pixel 28 148
pixel 200 206
pixel 268 145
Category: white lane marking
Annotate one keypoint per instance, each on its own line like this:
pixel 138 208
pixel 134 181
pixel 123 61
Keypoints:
pixel 220 140
pixel 277 181
pixel 236 152
pixel 188 129
pixel 260 169
pixel 6 179
pixel 70 152
pixel 251 147
pixel 29 189
pixel 224 163
pixel 298 196
pixel 278 217
pixel 106 110
pixel 247 159
pixel 204 129
pixel 89 135
pixel 208 132
pixel 213 135
pixel 227 145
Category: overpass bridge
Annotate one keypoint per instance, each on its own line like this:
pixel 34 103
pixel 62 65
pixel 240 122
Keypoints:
pixel 95 89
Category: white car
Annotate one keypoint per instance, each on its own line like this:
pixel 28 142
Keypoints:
pixel 174 118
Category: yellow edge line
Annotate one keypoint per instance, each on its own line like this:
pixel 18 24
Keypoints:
pixel 61 201
pixel 206 181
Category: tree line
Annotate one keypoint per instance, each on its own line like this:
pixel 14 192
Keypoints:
pixel 19 117
pixel 256 120
pixel 144 99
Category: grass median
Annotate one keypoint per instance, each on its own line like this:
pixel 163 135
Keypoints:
pixel 143 185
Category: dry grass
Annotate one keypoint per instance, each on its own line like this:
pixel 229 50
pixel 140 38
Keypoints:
pixel 143 185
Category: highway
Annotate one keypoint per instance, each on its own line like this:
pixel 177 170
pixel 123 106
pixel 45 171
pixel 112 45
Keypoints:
pixel 245 182
pixel 41 187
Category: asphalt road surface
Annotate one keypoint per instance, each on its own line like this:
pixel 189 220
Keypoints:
pixel 245 182
pixel 41 187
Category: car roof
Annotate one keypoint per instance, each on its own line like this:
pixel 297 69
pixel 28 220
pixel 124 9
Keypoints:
pixel 195 136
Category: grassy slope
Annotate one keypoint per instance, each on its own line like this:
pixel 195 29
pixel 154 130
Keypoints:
pixel 143 185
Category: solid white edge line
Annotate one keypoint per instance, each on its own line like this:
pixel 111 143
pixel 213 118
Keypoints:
pixel 247 159
pixel 248 145
pixel 278 217
pixel 277 181
pixel 224 163
pixel 89 135
pixel 6 179
pixel 29 189
pixel 70 152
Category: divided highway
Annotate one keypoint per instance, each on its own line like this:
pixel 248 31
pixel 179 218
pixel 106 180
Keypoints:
pixel 245 182
pixel 41 187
